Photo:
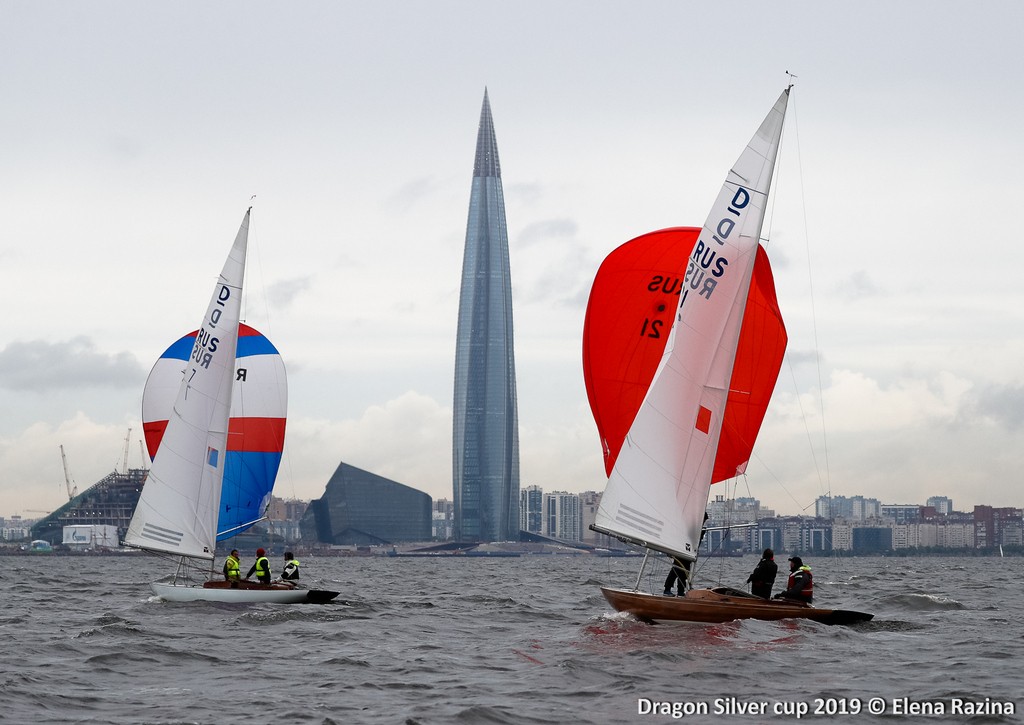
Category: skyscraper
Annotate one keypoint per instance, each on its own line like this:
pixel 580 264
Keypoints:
pixel 485 444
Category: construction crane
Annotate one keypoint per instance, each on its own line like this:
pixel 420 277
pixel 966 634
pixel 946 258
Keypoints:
pixel 127 440
pixel 72 489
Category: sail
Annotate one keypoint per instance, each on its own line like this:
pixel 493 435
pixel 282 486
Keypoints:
pixel 259 402
pixel 629 315
pixel 177 511
pixel 658 488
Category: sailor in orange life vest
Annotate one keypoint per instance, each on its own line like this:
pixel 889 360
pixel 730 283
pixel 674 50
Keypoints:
pixel 801 584
pixel 261 567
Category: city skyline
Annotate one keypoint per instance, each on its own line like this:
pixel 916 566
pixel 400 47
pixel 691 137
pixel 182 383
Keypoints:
pixel 855 524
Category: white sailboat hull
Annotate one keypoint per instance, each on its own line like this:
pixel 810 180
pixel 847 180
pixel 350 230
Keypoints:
pixel 242 595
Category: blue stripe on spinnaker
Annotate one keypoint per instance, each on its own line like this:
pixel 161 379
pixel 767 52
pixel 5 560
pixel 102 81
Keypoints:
pixel 248 479
pixel 181 349
pixel 247 345
pixel 254 345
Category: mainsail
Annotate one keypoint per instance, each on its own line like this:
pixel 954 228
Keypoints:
pixel 658 487
pixel 177 511
pixel 256 428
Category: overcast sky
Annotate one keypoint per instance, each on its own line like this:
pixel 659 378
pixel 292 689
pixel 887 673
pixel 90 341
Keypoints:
pixel 133 134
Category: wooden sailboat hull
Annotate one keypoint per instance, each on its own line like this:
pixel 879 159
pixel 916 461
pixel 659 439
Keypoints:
pixel 242 593
pixel 721 605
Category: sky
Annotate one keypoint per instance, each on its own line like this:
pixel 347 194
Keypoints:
pixel 133 136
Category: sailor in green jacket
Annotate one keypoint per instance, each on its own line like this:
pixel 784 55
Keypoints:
pixel 232 566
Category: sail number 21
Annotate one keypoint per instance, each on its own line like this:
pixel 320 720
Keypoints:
pixel 651 328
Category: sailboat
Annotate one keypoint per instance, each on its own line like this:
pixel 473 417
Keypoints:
pixel 679 389
pixel 177 513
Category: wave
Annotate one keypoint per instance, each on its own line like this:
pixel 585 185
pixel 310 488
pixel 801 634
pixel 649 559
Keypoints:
pixel 919 602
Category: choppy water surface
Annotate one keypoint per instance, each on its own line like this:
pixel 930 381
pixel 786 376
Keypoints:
pixel 527 640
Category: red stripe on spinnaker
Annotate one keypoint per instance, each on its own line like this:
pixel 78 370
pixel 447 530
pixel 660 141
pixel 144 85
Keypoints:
pixel 249 435
pixel 256 435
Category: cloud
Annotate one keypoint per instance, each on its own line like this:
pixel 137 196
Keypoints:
pixel 93 450
pixel 411 193
pixel 551 266
pixel 1002 405
pixel 407 439
pixel 859 285
pixel 281 294
pixel 544 231
pixel 40 366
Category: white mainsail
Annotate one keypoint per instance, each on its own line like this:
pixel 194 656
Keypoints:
pixel 177 512
pixel 658 489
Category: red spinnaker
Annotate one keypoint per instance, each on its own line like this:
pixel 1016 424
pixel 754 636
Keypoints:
pixel 629 315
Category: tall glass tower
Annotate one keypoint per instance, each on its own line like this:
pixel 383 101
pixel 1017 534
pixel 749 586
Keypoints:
pixel 485 444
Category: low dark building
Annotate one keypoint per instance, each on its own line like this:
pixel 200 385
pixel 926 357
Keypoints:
pixel 362 508
pixel 872 539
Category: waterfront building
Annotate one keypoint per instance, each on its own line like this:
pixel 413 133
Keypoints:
pixel 955 535
pixel 941 504
pixel 110 501
pixel 562 515
pixel 872 539
pixel 531 509
pixel 901 512
pixel 590 501
pixel 284 516
pixel 996 526
pixel 842 536
pixel 485 441
pixel 15 528
pixel 852 508
pixel 443 520
pixel 362 508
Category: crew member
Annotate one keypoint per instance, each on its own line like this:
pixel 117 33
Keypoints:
pixel 678 574
pixel 261 567
pixel 291 567
pixel 801 584
pixel 763 576
pixel 231 566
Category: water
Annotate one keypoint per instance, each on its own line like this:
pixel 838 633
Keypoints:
pixel 528 640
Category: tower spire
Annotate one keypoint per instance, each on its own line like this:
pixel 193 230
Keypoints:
pixel 486 162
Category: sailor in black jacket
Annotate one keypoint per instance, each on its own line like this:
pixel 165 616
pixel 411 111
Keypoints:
pixel 763 576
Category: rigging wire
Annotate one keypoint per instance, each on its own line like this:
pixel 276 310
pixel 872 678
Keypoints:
pixel 822 468
pixel 826 482
pixel 824 476
pixel 285 468
pixel 814 315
